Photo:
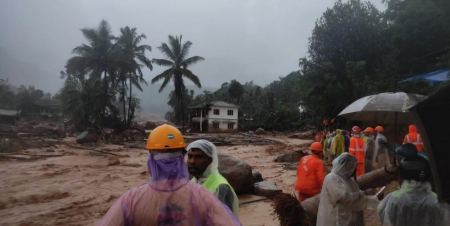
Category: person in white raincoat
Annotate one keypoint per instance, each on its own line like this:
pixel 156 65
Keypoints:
pixel 414 203
pixel 341 200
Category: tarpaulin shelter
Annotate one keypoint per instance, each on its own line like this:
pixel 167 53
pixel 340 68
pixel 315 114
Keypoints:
pixel 432 78
pixel 432 117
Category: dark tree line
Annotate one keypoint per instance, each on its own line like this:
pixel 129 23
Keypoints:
pixel 354 50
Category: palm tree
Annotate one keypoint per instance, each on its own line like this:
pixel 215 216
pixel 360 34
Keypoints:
pixel 178 61
pixel 131 54
pixel 98 61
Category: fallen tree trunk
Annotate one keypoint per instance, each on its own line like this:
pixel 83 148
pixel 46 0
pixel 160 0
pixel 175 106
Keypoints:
pixel 373 179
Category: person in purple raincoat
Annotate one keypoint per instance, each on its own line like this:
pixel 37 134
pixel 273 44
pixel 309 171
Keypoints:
pixel 169 198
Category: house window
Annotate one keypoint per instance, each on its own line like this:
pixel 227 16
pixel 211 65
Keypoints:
pixel 231 125
pixel 215 125
pixel 230 112
pixel 216 112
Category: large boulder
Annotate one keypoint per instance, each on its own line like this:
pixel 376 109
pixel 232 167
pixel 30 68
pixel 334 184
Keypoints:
pixel 260 131
pixel 87 137
pixel 237 172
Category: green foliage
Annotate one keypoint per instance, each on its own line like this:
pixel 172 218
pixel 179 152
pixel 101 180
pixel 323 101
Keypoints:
pixel 356 50
pixel 101 76
pixel 7 97
pixel 177 60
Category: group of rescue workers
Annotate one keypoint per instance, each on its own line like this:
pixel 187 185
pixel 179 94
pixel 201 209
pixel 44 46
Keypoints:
pixel 341 200
pixel 186 188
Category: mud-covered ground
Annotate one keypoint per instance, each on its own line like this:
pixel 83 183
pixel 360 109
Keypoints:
pixel 73 185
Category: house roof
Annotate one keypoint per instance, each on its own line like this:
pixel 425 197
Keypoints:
pixel 5 112
pixel 222 104
pixel 214 104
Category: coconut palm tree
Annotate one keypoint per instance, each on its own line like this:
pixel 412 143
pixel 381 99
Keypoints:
pixel 132 55
pixel 178 61
pixel 97 61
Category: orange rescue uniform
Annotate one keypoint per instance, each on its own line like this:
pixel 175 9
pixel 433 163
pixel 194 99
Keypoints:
pixel 356 149
pixel 414 137
pixel 310 176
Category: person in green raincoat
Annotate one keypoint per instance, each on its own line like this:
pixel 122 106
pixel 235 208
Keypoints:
pixel 203 165
pixel 338 144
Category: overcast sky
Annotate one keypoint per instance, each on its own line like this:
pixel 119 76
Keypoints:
pixel 246 40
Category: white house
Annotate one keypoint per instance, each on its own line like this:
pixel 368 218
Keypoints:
pixel 215 116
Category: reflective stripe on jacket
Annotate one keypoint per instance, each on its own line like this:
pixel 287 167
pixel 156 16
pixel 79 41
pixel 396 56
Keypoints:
pixel 357 149
pixel 212 184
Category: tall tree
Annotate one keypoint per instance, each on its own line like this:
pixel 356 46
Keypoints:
pixel 346 52
pixel 132 55
pixel 236 90
pixel 98 61
pixel 178 62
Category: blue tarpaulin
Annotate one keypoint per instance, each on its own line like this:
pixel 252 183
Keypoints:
pixel 433 78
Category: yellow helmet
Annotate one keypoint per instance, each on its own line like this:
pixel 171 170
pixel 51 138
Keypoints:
pixel 165 137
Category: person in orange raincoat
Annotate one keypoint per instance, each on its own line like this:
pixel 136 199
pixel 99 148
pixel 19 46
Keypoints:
pixel 357 149
pixel 414 137
pixel 310 173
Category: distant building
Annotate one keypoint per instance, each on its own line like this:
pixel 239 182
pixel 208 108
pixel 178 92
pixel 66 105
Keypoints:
pixel 215 116
pixel 8 116
pixel 46 108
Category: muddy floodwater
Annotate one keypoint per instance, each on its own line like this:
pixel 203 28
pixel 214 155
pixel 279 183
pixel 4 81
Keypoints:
pixel 69 184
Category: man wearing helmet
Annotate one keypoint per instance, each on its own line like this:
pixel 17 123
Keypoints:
pixel 310 173
pixel 169 198
pixel 381 155
pixel 357 149
pixel 414 203
pixel 203 165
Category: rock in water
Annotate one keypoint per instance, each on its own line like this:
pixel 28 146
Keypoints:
pixel 257 176
pixel 237 172
pixel 266 188
pixel 260 131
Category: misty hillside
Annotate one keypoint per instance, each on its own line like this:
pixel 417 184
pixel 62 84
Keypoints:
pixel 154 104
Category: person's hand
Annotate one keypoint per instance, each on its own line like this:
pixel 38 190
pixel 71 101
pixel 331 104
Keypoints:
pixel 380 196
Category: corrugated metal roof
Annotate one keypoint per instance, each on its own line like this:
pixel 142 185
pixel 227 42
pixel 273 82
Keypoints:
pixel 5 112
pixel 223 104
pixel 217 103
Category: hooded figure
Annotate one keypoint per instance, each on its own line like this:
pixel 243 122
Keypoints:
pixel 203 165
pixel 169 198
pixel 413 137
pixel 414 203
pixel 338 144
pixel 341 201
pixel 381 157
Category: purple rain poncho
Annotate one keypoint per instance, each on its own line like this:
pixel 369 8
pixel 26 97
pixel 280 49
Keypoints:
pixel 169 198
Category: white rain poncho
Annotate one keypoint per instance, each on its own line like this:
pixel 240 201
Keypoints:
pixel 413 204
pixel 381 153
pixel 212 180
pixel 341 200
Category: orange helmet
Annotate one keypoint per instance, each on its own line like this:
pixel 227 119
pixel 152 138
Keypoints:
pixel 379 129
pixel 165 137
pixel 356 129
pixel 316 147
pixel 368 130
